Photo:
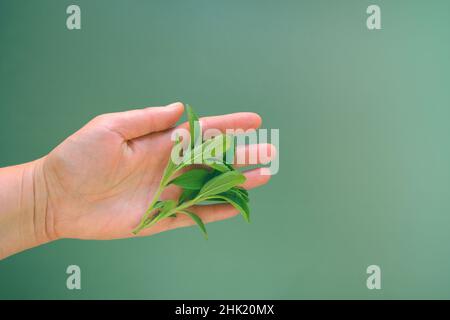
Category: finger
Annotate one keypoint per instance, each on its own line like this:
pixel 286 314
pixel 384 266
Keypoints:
pixel 240 120
pixel 136 123
pixel 253 154
pixel 256 178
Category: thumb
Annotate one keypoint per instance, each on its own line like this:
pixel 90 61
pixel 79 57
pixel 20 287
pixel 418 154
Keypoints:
pixel 135 123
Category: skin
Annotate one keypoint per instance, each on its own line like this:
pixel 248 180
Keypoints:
pixel 99 181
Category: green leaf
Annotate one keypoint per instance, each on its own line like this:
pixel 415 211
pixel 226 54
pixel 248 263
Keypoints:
pixel 236 201
pixel 192 179
pixel 187 195
pixel 197 220
pixel 157 205
pixel 217 165
pixel 218 162
pixel 230 166
pixel 194 126
pixel 221 183
pixel 202 152
pixel 230 152
pixel 171 167
pixel 218 147
pixel 242 192
pixel 195 155
pixel 164 208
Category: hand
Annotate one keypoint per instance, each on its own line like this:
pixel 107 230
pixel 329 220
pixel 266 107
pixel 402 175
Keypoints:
pixel 99 181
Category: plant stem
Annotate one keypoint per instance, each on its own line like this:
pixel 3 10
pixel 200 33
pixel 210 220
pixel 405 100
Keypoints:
pixel 150 208
pixel 181 207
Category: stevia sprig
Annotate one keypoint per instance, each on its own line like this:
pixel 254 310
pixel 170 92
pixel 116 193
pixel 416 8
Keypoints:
pixel 218 181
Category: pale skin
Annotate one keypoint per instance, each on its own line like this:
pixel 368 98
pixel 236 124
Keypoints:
pixel 98 182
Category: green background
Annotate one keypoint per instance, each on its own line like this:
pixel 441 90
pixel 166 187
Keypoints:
pixel 364 141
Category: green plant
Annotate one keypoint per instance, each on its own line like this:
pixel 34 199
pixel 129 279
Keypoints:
pixel 216 180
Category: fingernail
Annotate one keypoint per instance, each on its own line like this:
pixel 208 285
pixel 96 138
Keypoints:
pixel 173 105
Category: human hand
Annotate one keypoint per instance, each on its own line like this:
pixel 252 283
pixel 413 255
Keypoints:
pixel 99 181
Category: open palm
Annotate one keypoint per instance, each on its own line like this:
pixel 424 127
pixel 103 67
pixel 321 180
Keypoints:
pixel 101 179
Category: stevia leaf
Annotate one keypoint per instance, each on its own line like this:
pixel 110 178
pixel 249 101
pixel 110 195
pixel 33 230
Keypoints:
pixel 202 152
pixel 164 208
pixel 169 205
pixel 217 148
pixel 231 150
pixel 241 192
pixel 237 191
pixel 198 221
pixel 221 183
pixel 217 165
pixel 157 205
pixel 230 166
pixel 193 179
pixel 236 201
pixel 194 155
pixel 171 166
pixel 187 195
pixel 194 126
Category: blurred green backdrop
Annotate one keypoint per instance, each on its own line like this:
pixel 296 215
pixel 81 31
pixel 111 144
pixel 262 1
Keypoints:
pixel 364 127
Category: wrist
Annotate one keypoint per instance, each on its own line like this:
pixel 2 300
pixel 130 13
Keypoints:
pixel 24 215
pixel 44 230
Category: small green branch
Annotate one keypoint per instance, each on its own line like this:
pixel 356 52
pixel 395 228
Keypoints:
pixel 150 209
pixel 219 182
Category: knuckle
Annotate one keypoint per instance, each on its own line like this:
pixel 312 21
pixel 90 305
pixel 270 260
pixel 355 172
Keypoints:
pixel 104 120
